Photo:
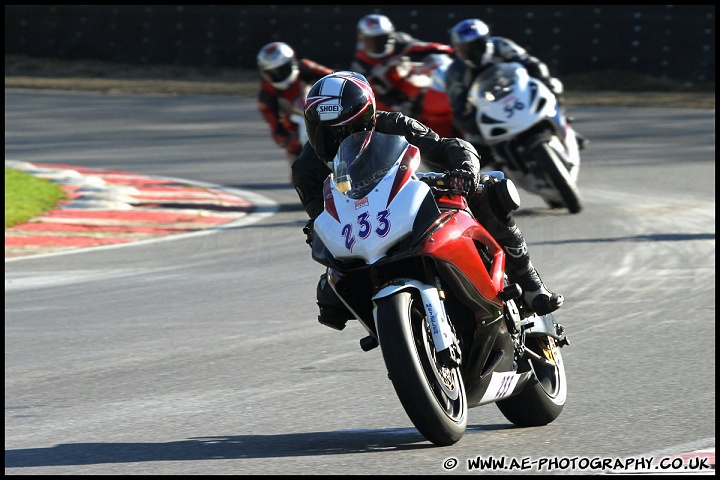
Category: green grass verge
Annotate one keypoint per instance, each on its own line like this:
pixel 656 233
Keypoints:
pixel 27 196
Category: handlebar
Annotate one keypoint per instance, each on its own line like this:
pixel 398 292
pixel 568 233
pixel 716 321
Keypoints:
pixel 438 183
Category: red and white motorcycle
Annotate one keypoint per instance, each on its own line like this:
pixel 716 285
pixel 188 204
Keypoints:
pixel 427 282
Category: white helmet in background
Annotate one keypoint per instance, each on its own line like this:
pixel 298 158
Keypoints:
pixel 278 64
pixel 376 35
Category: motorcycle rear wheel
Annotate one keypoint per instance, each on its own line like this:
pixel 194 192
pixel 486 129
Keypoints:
pixel 432 395
pixel 543 398
pixel 552 165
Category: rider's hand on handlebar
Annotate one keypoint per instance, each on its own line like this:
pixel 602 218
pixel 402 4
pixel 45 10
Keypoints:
pixel 463 181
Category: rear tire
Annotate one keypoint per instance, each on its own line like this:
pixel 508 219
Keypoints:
pixel 433 396
pixel 544 396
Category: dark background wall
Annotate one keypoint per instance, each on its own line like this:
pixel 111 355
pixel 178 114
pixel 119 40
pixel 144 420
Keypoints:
pixel 675 42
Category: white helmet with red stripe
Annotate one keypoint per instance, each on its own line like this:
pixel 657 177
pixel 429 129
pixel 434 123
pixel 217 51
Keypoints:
pixel 278 64
pixel 376 35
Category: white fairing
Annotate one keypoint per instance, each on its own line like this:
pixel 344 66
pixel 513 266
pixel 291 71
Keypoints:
pixel 368 227
pixel 378 210
pixel 510 102
pixel 504 111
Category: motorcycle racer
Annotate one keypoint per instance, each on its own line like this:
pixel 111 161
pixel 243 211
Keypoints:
pixel 284 79
pixel 476 50
pixel 343 103
pixel 385 56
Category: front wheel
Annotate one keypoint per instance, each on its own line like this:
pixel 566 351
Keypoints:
pixel 552 165
pixel 543 398
pixel 432 395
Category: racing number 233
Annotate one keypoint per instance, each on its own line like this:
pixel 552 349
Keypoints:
pixel 365 228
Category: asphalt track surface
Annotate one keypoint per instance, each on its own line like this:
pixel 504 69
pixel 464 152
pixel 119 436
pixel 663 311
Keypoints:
pixel 200 353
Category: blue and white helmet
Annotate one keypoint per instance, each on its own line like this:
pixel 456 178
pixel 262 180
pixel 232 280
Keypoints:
pixel 471 41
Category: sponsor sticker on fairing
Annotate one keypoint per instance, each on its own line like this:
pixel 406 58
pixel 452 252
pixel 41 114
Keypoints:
pixel 363 202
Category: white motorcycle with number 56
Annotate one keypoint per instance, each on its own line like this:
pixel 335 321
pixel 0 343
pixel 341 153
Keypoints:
pixel 529 135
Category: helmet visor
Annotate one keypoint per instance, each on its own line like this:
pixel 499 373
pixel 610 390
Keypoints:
pixel 472 51
pixel 280 73
pixel 374 44
pixel 328 139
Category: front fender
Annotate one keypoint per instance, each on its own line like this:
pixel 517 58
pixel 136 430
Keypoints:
pixel 441 330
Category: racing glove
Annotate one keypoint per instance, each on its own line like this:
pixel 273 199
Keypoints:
pixel 463 181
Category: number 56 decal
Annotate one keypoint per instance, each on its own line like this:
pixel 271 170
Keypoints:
pixel 365 228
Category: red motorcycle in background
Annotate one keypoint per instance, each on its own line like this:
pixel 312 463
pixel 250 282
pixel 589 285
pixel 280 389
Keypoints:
pixel 424 84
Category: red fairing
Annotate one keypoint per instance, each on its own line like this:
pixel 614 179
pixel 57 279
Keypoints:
pixel 455 202
pixel 408 165
pixel 427 48
pixel 437 113
pixel 329 200
pixel 445 244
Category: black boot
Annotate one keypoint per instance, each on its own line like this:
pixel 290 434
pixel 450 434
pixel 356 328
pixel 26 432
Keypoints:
pixel 333 312
pixel 582 141
pixel 494 210
pixel 520 270
pixel 536 295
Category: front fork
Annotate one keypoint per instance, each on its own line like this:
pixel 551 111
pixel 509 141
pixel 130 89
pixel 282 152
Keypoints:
pixel 447 346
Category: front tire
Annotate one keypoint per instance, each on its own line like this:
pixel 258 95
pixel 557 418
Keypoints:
pixel 432 395
pixel 552 165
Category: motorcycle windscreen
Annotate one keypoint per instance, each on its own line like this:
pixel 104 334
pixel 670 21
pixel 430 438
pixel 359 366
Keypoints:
pixel 498 82
pixel 362 161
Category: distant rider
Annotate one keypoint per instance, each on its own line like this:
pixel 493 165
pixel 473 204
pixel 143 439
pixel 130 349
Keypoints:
pixel 352 93
pixel 384 56
pixel 284 80
pixel 475 51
